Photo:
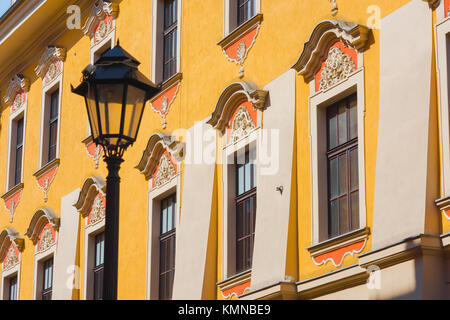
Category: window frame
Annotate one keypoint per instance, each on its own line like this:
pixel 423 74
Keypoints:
pixel 157 44
pixel 47 291
pixel 318 103
pixel 6 277
pixel 155 195
pixel 47 91
pixel 98 268
pixel 230 21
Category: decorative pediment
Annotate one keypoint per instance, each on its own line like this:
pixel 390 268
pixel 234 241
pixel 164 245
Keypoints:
pixel 100 23
pixel 17 90
pixel 315 50
pixel 51 63
pixel 241 124
pixel 10 245
pixel 337 67
pixel 157 146
pixel 234 95
pixel 93 191
pixel 43 218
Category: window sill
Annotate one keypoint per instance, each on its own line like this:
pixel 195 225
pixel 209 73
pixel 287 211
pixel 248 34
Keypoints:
pixel 46 168
pixel 12 191
pixel 166 84
pixel 235 285
pixel 337 248
pixel 239 31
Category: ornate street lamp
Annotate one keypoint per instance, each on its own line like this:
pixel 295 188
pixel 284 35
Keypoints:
pixel 115 94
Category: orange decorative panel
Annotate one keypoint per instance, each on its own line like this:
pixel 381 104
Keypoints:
pixel 11 257
pixel 97 212
pixel 161 104
pixel 446 7
pixel 94 152
pixel 346 50
pixel 236 291
pixel 447 214
pixel 44 181
pixel 237 51
pixel 47 238
pixel 103 28
pixel 337 256
pixel 18 99
pixel 11 203
pixel 165 171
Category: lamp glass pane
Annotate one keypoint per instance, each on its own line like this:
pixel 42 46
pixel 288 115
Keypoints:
pixel 133 110
pixel 92 112
pixel 110 97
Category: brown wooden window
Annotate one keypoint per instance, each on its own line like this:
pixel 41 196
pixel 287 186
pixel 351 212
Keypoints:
pixel 47 279
pixel 245 10
pixel 167 247
pixel 342 155
pixel 12 292
pixel 99 265
pixel 245 212
pixel 53 126
pixel 19 152
pixel 170 38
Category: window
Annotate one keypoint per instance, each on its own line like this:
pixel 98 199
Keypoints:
pixel 167 247
pixel 99 265
pixel 342 159
pixel 53 126
pixel 47 280
pixel 170 38
pixel 245 10
pixel 18 156
pixel 165 40
pixel 12 287
pixel 245 212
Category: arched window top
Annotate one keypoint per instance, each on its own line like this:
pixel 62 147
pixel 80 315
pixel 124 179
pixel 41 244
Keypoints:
pixel 91 188
pixel 157 146
pixel 233 95
pixel 324 35
pixel 40 219
pixel 8 236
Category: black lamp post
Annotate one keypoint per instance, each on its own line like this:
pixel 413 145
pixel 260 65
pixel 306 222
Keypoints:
pixel 115 94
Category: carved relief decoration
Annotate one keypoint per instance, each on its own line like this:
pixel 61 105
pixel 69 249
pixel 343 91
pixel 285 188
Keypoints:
pixel 11 259
pixel 17 92
pixel 338 67
pixel 50 66
pixel 46 239
pixel 165 172
pixel 101 21
pixel 42 219
pixel 94 152
pixel 242 124
pixel 10 246
pixel 12 200
pixel 97 213
pixel 45 177
pixel 162 102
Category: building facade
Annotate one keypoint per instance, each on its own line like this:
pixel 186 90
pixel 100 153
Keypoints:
pixel 297 150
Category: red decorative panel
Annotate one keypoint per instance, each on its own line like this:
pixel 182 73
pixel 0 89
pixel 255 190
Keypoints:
pixel 94 152
pixel 237 290
pixel 446 7
pixel 44 181
pixel 104 27
pixel 18 99
pixel 97 212
pixel 11 203
pixel 44 240
pixel 348 51
pixel 251 112
pixel 447 214
pixel 237 50
pixel 161 104
pixel 337 256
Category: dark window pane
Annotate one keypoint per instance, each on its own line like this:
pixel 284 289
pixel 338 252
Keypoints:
pixel 99 265
pixel 18 152
pixel 170 38
pixel 353 118
pixel 333 178
pixel 342 123
pixel 246 10
pixel 343 215
pixel 332 128
pixel 355 210
pixel 13 288
pixel 167 247
pixel 354 182
pixel 333 219
pixel 343 174
pixel 47 280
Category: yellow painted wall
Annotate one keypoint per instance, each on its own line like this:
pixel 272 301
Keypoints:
pixel 206 72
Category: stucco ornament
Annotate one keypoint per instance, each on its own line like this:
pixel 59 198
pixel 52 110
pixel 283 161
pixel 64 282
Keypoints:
pixel 241 51
pixel 242 124
pixel 46 240
pixel 166 171
pixel 338 67
pixel 98 211
pixel 334 7
pixel 11 259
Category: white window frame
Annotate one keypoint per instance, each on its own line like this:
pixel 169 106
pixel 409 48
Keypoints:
pixel 6 275
pixel 89 256
pixel 318 102
pixel 230 15
pixel 228 186
pixel 47 90
pixel 155 195
pixel 158 41
pixel 13 118
pixel 39 259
